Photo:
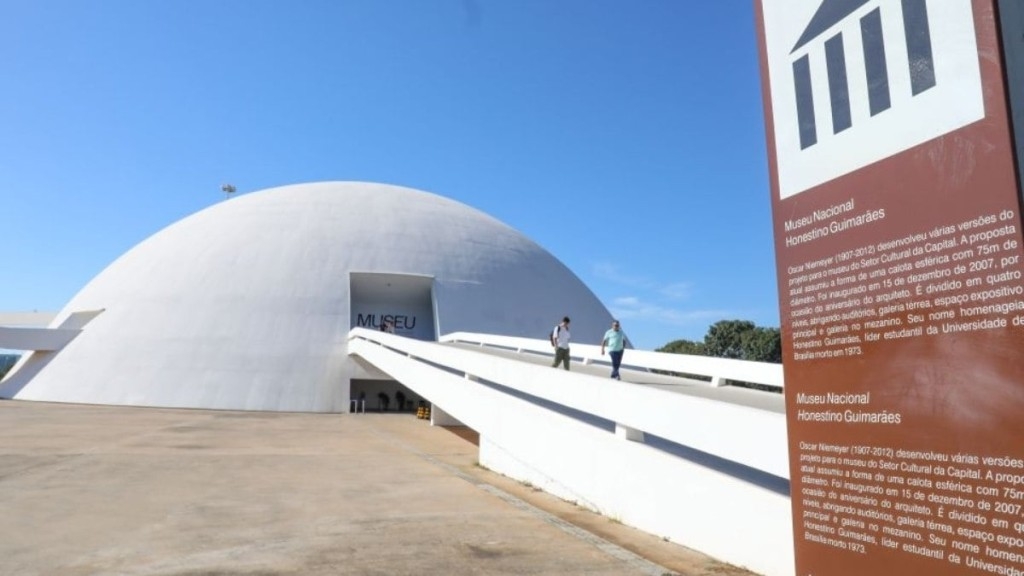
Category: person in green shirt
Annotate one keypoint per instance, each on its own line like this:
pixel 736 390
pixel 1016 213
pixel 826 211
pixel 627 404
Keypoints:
pixel 615 341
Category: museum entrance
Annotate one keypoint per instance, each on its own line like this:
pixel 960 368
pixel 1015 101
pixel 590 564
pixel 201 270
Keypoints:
pixel 404 302
pixel 384 396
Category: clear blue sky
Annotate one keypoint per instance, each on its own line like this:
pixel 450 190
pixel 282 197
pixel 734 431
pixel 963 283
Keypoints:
pixel 626 138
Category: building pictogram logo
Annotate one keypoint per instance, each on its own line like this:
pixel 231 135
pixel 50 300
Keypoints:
pixel 856 81
pixel 920 66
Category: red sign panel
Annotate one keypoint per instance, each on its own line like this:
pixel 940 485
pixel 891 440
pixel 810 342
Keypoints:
pixel 901 282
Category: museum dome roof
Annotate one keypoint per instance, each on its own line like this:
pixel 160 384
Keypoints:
pixel 247 303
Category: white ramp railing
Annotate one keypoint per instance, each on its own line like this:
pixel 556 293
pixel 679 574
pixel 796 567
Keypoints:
pixel 43 339
pixel 718 490
pixel 34 319
pixel 718 370
pixel 35 338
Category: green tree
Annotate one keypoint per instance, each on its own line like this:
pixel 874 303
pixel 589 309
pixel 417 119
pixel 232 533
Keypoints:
pixel 739 339
pixel 762 345
pixel 683 347
pixel 725 338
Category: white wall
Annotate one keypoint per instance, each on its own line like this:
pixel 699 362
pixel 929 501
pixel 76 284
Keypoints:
pixel 27 319
pixel 728 505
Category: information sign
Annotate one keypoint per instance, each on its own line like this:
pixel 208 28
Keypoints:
pixel 898 241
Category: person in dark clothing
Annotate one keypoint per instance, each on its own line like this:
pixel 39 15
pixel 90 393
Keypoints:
pixel 560 341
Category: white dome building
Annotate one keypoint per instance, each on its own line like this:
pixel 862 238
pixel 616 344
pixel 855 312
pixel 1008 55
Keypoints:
pixel 246 305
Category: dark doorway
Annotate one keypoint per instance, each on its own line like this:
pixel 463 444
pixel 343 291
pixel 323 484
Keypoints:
pixel 399 398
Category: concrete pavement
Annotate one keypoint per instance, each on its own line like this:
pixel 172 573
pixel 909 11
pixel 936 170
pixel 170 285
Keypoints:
pixel 141 491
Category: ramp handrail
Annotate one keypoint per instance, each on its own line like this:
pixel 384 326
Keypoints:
pixel 34 338
pixel 719 370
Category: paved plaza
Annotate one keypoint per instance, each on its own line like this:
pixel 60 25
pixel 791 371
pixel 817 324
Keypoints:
pixel 143 491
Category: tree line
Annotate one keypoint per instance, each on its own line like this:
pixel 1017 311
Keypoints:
pixel 739 339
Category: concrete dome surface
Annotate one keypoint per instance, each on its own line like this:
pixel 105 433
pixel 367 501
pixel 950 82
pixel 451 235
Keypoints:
pixel 246 305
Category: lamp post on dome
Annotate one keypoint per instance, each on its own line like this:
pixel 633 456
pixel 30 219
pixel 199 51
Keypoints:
pixel 228 190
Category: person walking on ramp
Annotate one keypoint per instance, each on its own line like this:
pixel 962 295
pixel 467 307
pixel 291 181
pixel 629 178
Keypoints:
pixel 560 337
pixel 615 340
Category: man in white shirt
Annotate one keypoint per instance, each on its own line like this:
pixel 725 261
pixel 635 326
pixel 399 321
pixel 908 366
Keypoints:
pixel 560 337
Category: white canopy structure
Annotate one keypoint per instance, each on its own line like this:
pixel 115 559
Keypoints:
pixel 247 305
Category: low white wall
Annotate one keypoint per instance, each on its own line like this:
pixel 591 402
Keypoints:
pixel 27 319
pixel 640 486
pixel 35 338
pixel 719 370
pixel 737 520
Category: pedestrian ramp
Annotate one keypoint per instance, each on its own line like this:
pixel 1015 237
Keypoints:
pixel 689 459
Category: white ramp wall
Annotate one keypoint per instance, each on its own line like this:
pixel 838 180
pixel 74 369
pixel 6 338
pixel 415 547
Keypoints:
pixel 720 487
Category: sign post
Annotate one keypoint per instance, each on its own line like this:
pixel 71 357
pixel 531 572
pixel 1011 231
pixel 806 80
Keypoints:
pixel 897 220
